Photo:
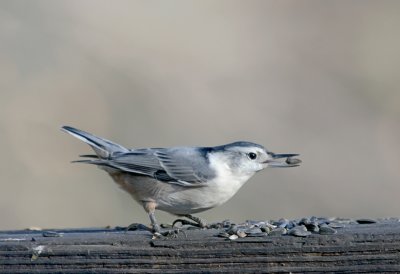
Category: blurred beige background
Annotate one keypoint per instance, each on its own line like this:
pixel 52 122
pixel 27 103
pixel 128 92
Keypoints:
pixel 320 78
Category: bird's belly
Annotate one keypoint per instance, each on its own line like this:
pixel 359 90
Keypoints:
pixel 188 200
pixel 177 199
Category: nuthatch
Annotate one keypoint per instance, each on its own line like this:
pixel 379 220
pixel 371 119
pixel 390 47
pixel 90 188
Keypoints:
pixel 181 180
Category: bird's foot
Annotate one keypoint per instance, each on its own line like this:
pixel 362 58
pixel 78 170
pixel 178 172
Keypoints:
pixel 197 222
pixel 185 222
pixel 168 234
pixel 201 223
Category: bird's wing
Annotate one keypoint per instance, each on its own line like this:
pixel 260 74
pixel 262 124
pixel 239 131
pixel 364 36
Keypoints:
pixel 138 161
pixel 183 166
pixel 188 166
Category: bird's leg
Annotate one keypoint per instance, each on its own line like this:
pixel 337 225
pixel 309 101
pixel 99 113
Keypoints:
pixel 154 224
pixel 150 208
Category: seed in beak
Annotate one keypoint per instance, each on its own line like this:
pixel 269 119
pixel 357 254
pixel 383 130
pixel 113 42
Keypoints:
pixel 293 161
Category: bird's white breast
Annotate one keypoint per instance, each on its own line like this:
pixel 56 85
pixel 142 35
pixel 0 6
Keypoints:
pixel 228 181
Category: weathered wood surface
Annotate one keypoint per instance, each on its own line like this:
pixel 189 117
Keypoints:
pixel 360 248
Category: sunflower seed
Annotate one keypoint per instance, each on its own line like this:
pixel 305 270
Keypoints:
pixel 233 237
pixel 293 161
pixel 327 230
pixel 313 227
pixel 241 233
pixel 299 231
pixel 282 223
pixel 52 234
pixel 366 221
pixel 278 231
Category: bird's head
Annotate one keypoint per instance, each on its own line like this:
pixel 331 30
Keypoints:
pixel 247 157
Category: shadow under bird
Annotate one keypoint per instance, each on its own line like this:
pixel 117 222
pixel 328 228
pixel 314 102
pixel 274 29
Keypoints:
pixel 180 180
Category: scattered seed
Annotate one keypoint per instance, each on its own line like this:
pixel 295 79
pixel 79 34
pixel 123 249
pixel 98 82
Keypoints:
pixel 366 221
pixel 233 229
pixel 233 237
pixel 300 227
pixel 226 223
pixel 278 231
pixel 259 224
pixel 305 221
pixel 282 223
pixel 52 234
pixel 254 230
pixel 270 226
pixel 327 230
pixel 241 233
pixel 299 231
pixel 313 227
pixel 266 229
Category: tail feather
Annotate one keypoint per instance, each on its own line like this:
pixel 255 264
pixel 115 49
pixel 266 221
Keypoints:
pixel 103 148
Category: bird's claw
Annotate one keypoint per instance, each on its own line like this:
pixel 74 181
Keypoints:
pixel 168 234
pixel 185 222
pixel 197 222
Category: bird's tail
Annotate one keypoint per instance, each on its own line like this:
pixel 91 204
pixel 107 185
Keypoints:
pixel 103 148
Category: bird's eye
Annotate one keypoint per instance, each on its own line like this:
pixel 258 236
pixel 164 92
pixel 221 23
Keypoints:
pixel 252 155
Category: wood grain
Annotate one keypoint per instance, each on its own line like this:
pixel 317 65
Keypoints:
pixel 361 248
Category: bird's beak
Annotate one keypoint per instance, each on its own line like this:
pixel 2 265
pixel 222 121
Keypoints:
pixel 276 162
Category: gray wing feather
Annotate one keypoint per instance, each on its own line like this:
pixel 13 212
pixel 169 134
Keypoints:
pixel 143 161
pixel 183 166
pixel 187 166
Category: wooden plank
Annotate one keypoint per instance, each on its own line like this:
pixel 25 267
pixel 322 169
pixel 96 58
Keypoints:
pixel 356 248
